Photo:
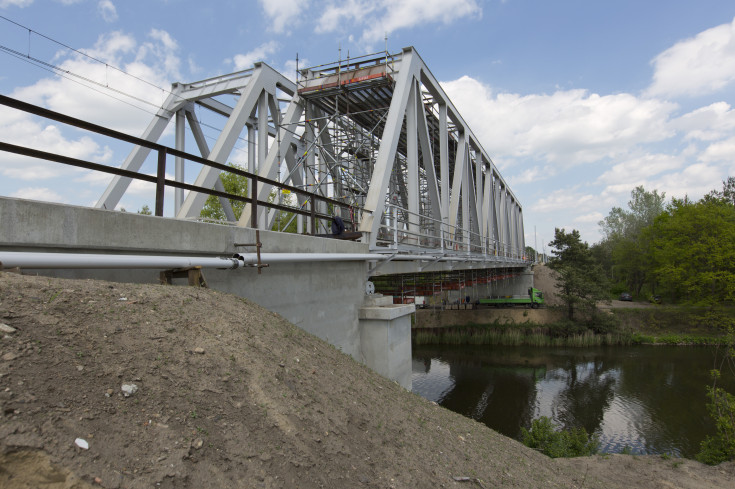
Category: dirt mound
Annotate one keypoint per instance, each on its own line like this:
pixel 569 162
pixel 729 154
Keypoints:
pixel 227 394
pixel 543 279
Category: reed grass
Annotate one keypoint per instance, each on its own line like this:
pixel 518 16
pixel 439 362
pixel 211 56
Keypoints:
pixel 518 336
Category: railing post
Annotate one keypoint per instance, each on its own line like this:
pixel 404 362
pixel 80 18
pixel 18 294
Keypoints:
pixel 312 210
pixel 254 203
pixel 160 181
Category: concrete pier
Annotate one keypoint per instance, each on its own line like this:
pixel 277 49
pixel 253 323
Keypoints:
pixel 323 298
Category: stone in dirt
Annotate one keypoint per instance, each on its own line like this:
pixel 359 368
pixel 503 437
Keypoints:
pixel 4 328
pixel 129 389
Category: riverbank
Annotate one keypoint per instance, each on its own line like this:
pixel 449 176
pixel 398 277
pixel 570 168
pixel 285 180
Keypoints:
pixel 230 395
pixel 618 323
pixel 624 327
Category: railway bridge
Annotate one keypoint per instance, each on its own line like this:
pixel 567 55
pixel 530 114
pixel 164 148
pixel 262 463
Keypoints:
pixel 359 173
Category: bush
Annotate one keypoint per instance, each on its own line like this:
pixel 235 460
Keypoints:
pixel 721 447
pixel 544 437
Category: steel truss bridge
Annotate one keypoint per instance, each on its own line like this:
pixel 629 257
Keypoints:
pixel 373 140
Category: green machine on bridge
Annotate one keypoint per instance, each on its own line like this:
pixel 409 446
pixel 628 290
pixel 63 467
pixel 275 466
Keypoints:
pixel 534 299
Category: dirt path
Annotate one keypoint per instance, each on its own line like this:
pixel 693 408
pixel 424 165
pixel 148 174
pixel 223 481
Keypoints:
pixel 230 395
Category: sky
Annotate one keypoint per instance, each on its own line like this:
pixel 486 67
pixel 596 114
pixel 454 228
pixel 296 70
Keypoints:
pixel 576 102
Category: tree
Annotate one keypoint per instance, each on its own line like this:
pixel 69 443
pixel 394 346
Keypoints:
pixel 694 250
pixel 727 195
pixel 145 210
pixel 582 281
pixel 233 184
pixel 627 240
pixel 238 185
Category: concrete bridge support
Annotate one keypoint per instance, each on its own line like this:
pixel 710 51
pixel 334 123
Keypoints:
pixel 385 334
pixel 323 298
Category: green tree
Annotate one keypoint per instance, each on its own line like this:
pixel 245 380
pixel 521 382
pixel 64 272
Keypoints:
pixel 233 184
pixel 721 407
pixel 582 281
pixel 694 250
pixel 627 241
pixel 727 195
pixel 145 210
pixel 238 185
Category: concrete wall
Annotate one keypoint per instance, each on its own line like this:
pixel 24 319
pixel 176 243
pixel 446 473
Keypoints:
pixel 321 298
pixel 436 318
pixel 385 333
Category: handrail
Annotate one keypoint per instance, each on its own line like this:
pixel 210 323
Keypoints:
pixel 451 238
pixel 159 179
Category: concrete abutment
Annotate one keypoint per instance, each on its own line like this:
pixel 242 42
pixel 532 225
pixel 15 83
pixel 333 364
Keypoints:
pixel 326 299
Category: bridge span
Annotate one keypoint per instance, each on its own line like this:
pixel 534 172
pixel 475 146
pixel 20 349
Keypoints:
pixel 372 144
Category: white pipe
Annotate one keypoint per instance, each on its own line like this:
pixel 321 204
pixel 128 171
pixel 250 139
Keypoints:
pixel 252 258
pixel 12 259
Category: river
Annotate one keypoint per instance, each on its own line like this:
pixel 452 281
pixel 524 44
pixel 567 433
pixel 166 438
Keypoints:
pixel 650 399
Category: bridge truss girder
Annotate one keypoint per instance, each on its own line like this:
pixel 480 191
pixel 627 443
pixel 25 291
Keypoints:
pixel 376 132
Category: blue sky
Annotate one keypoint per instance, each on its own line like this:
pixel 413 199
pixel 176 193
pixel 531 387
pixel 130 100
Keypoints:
pixel 577 102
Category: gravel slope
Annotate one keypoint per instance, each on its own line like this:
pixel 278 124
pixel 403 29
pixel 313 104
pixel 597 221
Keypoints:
pixel 231 395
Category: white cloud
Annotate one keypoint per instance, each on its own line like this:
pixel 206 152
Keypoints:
pixel 700 65
pixel 634 170
pixel 143 188
pixel 694 181
pixel 283 12
pixel 107 10
pixel 563 200
pixel 709 123
pixel 245 61
pixel 722 151
pixel 336 14
pixel 383 17
pixel 289 68
pixel 593 218
pixel 46 137
pixel 565 128
pixel 38 193
pixel 529 175
pixel 154 61
pixel 15 3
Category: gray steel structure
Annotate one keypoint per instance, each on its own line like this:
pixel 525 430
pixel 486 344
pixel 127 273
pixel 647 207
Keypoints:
pixel 376 132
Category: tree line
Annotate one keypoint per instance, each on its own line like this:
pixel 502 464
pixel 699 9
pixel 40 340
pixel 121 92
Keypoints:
pixel 682 250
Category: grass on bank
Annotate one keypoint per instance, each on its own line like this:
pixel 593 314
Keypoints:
pixel 517 335
pixel 661 326
pixel 553 442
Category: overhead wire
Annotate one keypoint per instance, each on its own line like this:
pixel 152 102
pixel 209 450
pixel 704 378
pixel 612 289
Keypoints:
pixel 82 53
pixel 62 74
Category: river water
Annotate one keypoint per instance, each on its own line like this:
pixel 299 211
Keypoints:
pixel 650 399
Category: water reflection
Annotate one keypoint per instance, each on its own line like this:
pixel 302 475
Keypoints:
pixel 649 399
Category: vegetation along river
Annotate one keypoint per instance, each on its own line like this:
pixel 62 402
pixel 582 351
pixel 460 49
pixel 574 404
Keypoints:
pixel 649 399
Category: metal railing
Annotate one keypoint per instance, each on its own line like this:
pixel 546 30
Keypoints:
pixel 404 230
pixel 159 179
